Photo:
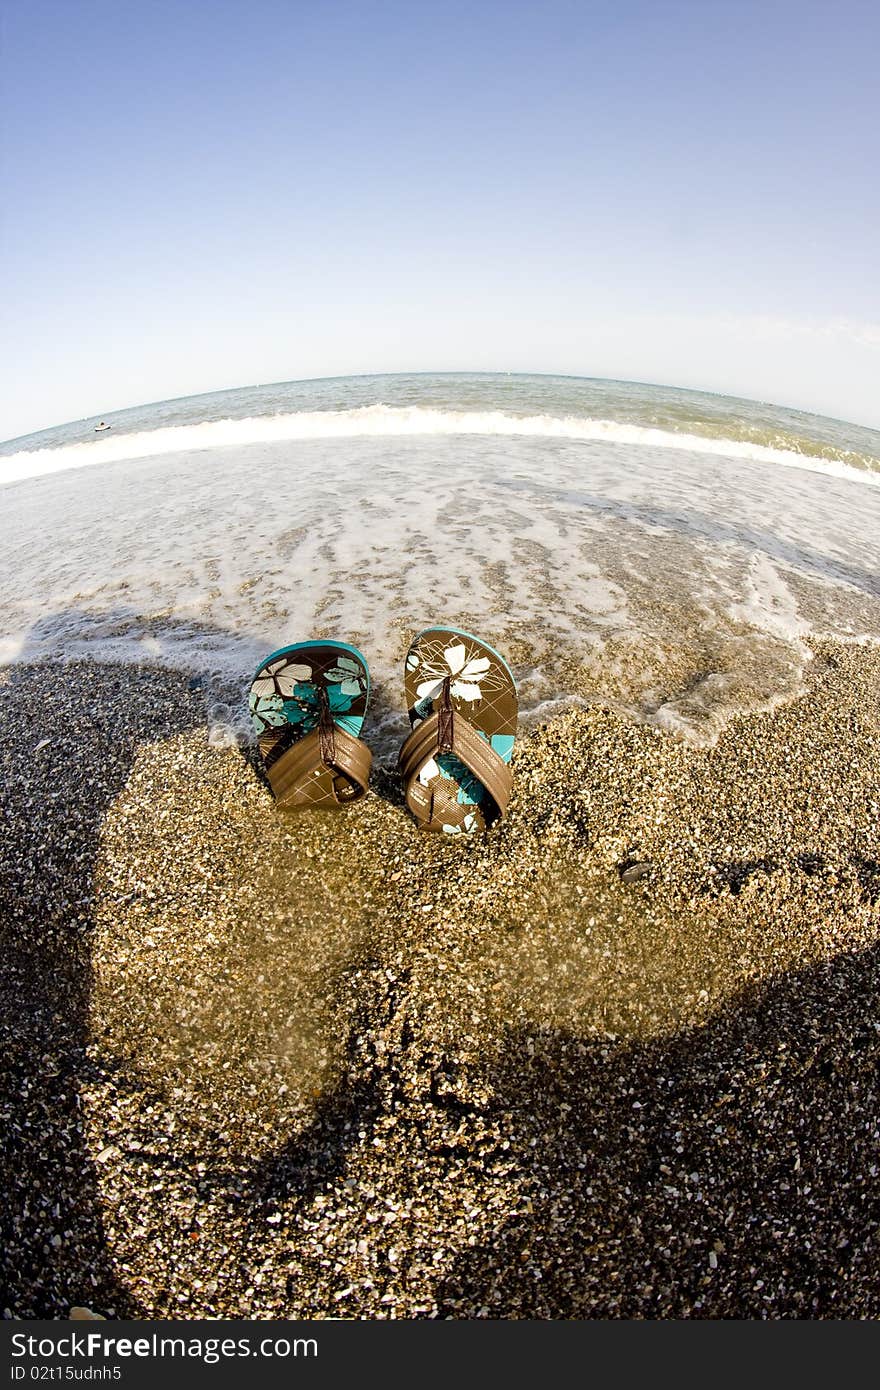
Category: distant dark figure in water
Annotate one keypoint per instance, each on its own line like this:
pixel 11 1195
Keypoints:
pixel 102 425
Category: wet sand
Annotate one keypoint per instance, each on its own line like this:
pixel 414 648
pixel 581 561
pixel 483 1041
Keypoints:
pixel 618 1058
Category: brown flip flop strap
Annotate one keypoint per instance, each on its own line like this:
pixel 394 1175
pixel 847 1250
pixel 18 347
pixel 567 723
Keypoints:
pixel 447 731
pixel 292 778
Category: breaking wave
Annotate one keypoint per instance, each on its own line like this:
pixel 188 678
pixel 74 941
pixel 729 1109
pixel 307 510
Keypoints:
pixel 382 420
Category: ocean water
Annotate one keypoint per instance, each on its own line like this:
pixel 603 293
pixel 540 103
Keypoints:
pixel 666 552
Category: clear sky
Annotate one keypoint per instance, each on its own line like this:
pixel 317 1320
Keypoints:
pixel 200 194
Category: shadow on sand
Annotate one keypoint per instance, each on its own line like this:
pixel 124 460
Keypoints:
pixel 59 778
pixel 69 734
pixel 728 1172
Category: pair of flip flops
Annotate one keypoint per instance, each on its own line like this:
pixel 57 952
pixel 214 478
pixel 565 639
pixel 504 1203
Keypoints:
pixel 308 704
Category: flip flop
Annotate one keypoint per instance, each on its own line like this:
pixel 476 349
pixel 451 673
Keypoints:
pixel 462 706
pixel 307 704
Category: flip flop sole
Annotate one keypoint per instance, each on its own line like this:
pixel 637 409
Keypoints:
pixel 285 699
pixel 483 691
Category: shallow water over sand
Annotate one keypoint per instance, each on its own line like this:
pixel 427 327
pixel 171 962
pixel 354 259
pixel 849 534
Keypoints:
pixel 676 585
pixel 634 562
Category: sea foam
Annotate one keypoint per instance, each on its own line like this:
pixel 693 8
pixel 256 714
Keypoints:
pixel 678 584
pixel 399 421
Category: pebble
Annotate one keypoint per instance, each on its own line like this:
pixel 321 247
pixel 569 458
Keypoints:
pixel 634 873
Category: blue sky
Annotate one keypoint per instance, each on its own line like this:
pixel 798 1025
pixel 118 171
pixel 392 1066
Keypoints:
pixel 207 194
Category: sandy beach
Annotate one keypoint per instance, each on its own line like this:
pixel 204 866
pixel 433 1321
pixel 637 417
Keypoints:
pixel 618 1058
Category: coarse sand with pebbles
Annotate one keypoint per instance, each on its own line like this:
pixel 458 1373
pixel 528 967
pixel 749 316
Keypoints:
pixel 617 1058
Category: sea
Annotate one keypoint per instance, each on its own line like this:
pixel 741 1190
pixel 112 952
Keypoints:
pixel 671 554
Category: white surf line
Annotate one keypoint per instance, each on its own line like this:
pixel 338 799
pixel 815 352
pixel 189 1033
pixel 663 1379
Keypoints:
pixel 381 420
